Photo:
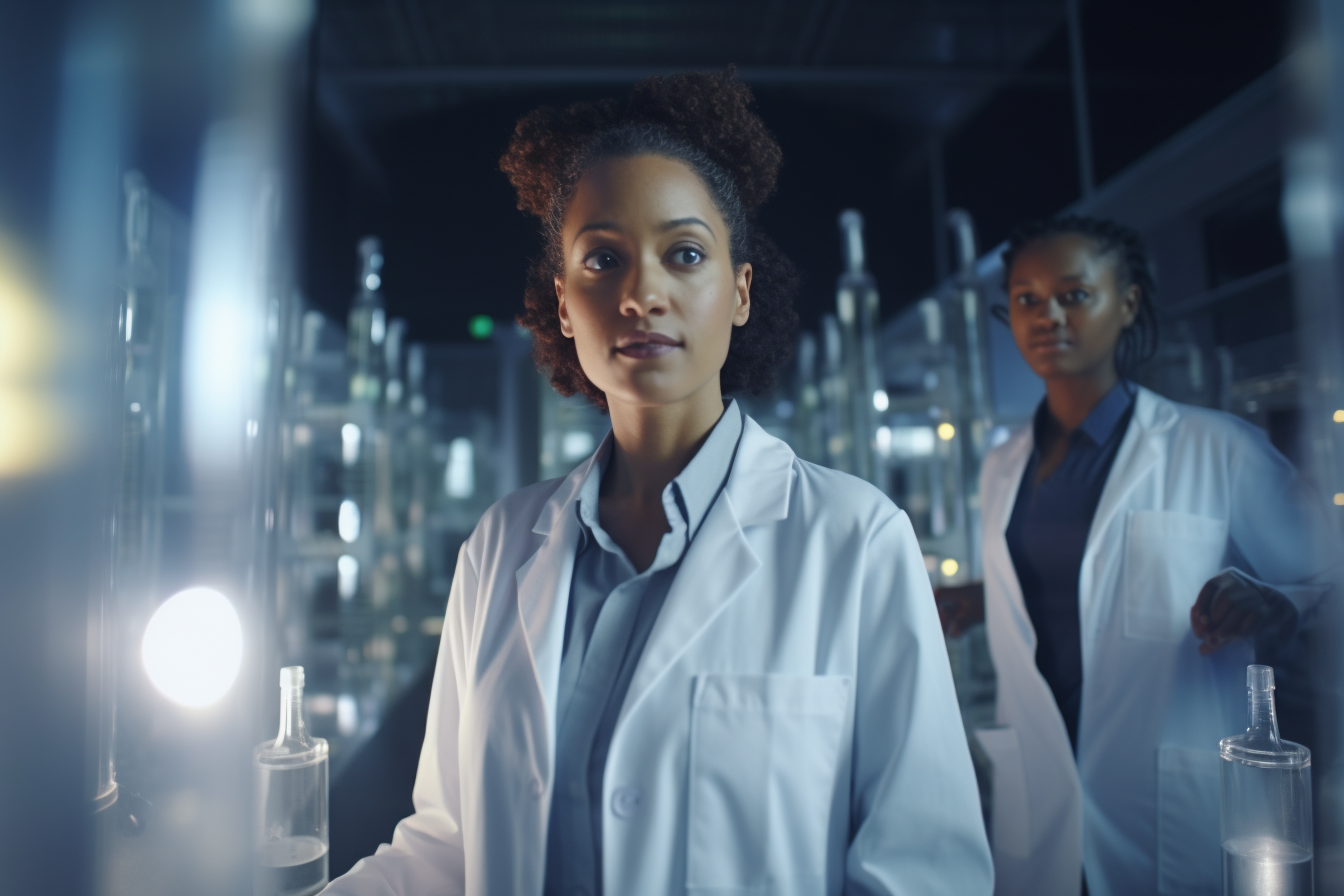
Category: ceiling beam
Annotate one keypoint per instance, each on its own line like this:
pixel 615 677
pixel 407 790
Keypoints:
pixel 533 75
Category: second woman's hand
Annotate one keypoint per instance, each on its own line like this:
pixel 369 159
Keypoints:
pixel 960 607
pixel 1231 607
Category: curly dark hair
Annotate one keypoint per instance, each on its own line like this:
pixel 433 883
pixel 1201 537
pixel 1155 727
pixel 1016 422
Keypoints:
pixel 1138 341
pixel 702 120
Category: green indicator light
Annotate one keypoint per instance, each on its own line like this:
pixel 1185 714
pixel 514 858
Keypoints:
pixel 481 326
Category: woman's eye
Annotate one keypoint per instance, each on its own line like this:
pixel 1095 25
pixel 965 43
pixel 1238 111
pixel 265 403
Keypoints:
pixel 688 256
pixel 1026 299
pixel 1075 297
pixel 601 260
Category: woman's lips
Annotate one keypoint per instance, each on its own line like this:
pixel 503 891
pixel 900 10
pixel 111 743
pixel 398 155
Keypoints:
pixel 646 345
pixel 1051 346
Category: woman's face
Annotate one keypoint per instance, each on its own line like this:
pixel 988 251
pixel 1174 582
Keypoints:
pixel 649 294
pixel 1067 306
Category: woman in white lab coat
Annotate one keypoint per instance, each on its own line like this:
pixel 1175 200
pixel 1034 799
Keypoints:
pixel 697 663
pixel 1136 552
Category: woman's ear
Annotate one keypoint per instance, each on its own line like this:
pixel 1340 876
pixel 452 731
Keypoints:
pixel 563 311
pixel 743 309
pixel 1129 308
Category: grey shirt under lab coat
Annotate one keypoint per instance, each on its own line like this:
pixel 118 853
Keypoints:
pixel 611 612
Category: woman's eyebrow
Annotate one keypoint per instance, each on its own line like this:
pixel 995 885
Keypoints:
pixel 682 222
pixel 598 225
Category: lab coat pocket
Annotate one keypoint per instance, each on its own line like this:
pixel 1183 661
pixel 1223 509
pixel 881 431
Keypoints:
pixel 763 759
pixel 1010 819
pixel 1168 558
pixel 1189 852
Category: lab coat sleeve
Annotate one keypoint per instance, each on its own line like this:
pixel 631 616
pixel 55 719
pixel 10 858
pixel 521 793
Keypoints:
pixel 1278 526
pixel 425 857
pixel 916 822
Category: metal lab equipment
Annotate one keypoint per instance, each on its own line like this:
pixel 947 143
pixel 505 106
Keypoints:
pixel 291 792
pixel 1266 802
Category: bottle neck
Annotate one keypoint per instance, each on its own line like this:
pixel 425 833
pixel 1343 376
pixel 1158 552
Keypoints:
pixel 1264 730
pixel 292 728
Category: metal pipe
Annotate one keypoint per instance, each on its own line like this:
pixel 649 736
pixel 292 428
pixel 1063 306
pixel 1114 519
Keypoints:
pixel 1081 121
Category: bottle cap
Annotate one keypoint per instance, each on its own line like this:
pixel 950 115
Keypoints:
pixel 291 677
pixel 1260 678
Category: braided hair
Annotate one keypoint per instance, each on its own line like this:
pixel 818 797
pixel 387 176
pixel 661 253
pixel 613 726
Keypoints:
pixel 702 120
pixel 1138 341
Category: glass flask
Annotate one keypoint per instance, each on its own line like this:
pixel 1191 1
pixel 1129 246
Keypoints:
pixel 291 802
pixel 1266 803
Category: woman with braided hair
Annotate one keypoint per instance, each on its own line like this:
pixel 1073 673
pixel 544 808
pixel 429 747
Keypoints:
pixel 1137 553
pixel 697 663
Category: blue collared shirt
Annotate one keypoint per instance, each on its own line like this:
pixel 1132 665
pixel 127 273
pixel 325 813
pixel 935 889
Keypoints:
pixel 612 609
pixel 1047 535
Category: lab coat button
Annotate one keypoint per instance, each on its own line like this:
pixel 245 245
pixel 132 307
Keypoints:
pixel 625 801
pixel 537 788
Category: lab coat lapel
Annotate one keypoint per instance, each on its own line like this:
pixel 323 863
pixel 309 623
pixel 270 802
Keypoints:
pixel 720 560
pixel 1138 454
pixel 999 515
pixel 543 587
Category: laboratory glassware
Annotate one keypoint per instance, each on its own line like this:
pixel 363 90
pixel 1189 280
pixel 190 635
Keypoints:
pixel 1266 803
pixel 291 808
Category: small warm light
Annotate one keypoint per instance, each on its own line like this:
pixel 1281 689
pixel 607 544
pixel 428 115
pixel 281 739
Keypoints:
pixel 1339 416
pixel 1339 500
pixel 946 431
pixel 347 521
pixel 949 567
pixel 880 400
pixel 193 647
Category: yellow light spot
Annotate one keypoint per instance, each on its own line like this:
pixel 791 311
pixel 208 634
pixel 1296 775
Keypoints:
pixel 946 431
pixel 1339 416
pixel 1339 500
pixel 34 430
pixel 949 566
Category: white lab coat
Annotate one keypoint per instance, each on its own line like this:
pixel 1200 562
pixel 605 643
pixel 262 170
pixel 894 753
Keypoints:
pixel 1191 492
pixel 791 726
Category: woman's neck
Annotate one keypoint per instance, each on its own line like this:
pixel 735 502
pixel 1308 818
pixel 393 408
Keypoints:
pixel 1071 398
pixel 653 443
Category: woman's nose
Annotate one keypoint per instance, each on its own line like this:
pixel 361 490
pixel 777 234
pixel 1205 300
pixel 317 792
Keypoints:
pixel 1054 311
pixel 644 295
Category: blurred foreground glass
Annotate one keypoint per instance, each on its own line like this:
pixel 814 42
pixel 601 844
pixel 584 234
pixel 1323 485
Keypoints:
pixel 1266 802
pixel 291 802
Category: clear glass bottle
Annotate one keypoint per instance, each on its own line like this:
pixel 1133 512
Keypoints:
pixel 291 801
pixel 1266 803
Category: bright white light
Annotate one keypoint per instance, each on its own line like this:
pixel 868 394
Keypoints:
pixel 912 441
pixel 378 326
pixel 347 576
pixel 880 400
pixel 193 647
pixel 998 435
pixel 135 407
pixel 949 567
pixel 372 282
pixel 350 438
pixel 347 714
pixel 883 441
pixel 347 521
pixel 130 322
pixel 577 443
pixel 459 477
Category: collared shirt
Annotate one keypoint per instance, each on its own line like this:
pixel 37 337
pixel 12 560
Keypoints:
pixel 1047 535
pixel 612 608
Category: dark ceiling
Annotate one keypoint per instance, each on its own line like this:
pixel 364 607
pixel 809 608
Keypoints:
pixel 412 102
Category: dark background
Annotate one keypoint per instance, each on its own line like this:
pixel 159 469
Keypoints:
pixel 415 161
